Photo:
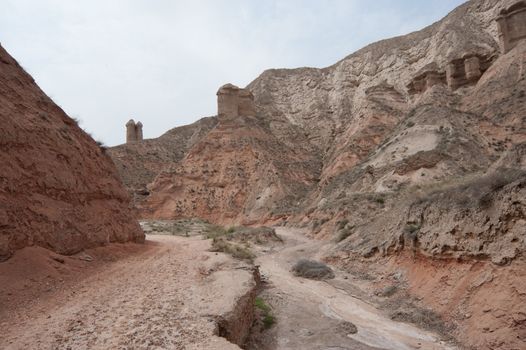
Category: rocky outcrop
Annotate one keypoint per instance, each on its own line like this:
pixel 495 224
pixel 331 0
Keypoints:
pixel 428 77
pixel 339 120
pixel 512 26
pixel 237 173
pixel 466 70
pixel 482 219
pixel 133 131
pixel 58 188
pixel 234 102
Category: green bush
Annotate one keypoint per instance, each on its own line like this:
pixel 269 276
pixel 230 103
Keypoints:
pixel 267 318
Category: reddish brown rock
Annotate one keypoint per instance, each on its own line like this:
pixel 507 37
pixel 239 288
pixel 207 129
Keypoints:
pixel 58 188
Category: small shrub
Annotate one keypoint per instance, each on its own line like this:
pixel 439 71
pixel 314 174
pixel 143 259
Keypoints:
pixel 268 321
pixel 344 233
pixel 425 318
pixel 102 146
pixel 267 318
pixel 312 270
pixel 412 228
pixel 388 291
pixel 260 304
pixel 342 223
pixel 380 200
pixel 347 328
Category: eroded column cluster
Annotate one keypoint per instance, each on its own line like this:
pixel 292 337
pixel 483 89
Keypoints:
pixel 133 131
pixel 469 68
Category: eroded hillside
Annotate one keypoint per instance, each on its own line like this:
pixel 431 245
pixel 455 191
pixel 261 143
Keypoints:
pixel 408 155
pixel 58 188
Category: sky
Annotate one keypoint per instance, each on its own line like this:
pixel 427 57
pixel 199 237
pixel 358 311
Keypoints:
pixel 162 61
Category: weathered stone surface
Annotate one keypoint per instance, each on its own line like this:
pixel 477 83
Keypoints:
pixel 317 130
pixel 58 189
pixel 138 128
pixel 233 102
pixel 512 26
pixel 466 70
pixel 133 131
pixel 428 77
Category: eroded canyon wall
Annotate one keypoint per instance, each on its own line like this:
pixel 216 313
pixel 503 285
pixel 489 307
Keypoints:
pixel 58 188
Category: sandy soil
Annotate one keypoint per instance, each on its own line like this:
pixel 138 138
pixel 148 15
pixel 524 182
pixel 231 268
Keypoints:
pixel 311 314
pixel 163 295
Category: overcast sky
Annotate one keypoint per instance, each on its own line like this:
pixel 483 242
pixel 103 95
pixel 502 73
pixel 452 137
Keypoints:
pixel 162 61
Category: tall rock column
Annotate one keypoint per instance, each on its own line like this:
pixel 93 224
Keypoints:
pixel 131 131
pixel 138 131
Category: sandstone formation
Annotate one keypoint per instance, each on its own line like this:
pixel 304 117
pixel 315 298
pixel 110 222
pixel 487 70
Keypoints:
pixel 58 188
pixel 412 145
pixel 512 26
pixel 234 102
pixel 133 131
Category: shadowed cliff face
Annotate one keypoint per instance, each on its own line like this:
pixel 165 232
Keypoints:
pixel 58 188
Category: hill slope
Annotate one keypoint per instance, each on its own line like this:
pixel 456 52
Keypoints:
pixel 58 189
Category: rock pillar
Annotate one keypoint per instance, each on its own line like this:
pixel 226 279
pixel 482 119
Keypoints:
pixel 138 130
pixel 234 102
pixel 131 131
pixel 472 68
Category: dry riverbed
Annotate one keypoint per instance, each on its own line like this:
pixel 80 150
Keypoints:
pixel 175 293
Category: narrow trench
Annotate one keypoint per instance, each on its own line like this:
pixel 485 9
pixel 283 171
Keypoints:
pixel 236 327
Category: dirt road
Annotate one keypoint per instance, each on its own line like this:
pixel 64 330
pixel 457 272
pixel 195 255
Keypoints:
pixel 311 314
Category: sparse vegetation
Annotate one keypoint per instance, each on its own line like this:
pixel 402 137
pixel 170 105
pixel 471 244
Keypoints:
pixel 411 228
pixel 183 227
pixel 347 328
pixel 425 318
pixel 388 291
pixel 477 190
pixel 267 318
pixel 236 241
pixel 312 270
pixel 102 146
pixel 342 223
pixel 236 250
pixel 344 233
pixel 380 200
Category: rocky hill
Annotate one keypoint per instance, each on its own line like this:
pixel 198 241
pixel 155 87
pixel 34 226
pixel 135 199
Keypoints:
pixel 58 188
pixel 412 146
pixel 428 107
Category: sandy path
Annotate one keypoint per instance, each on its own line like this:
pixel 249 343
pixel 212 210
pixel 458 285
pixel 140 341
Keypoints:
pixel 310 312
pixel 146 301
